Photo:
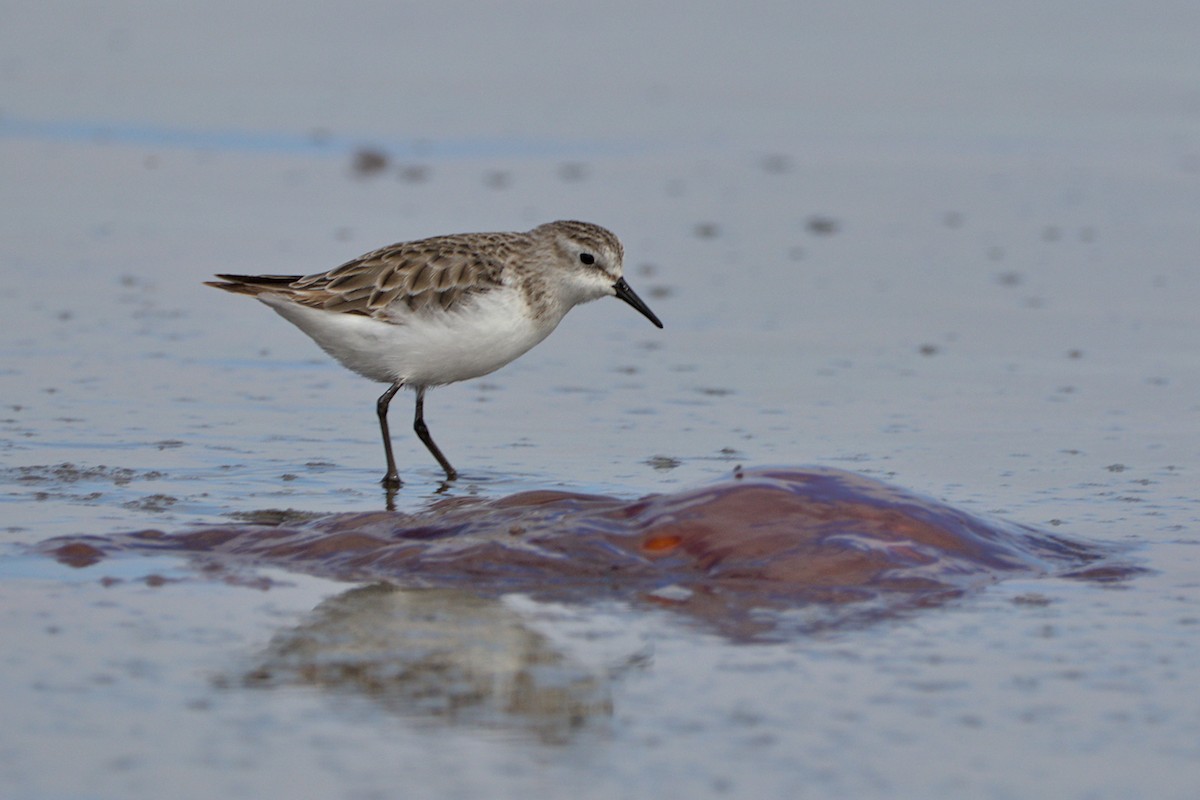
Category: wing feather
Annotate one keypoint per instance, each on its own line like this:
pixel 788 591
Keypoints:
pixel 432 273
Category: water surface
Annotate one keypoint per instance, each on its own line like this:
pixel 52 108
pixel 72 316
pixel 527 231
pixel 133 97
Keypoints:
pixel 951 252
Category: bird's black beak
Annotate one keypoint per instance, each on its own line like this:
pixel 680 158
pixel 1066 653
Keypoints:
pixel 629 296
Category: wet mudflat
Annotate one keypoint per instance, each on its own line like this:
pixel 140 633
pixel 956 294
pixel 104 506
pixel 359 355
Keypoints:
pixel 961 284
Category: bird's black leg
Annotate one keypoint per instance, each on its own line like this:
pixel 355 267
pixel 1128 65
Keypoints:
pixel 392 479
pixel 423 435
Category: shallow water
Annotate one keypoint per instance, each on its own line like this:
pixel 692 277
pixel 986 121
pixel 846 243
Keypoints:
pixel 952 251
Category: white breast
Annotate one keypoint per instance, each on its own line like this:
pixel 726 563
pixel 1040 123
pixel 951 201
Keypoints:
pixel 427 348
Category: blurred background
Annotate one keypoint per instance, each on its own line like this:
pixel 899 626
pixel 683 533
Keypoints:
pixel 951 246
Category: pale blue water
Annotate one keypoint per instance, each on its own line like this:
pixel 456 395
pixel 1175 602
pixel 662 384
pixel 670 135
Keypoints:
pixel 1002 315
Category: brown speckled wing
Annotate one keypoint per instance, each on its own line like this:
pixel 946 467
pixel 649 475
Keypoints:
pixel 431 273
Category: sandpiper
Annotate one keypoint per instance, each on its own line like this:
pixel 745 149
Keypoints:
pixel 445 309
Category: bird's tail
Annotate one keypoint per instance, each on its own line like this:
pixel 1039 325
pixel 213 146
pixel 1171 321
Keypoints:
pixel 253 285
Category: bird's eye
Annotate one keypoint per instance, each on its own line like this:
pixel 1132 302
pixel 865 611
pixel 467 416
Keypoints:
pixel 587 258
